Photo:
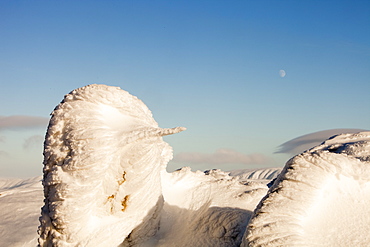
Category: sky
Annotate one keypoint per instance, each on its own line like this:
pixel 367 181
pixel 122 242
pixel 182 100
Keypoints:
pixel 244 77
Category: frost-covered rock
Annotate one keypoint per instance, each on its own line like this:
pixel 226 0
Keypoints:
pixel 321 198
pixel 105 182
pixel 103 155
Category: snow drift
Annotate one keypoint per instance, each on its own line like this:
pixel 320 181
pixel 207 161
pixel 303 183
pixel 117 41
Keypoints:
pixel 321 198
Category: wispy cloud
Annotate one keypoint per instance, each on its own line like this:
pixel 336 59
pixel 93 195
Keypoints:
pixel 33 141
pixel 22 122
pixel 221 156
pixel 4 154
pixel 2 138
pixel 302 143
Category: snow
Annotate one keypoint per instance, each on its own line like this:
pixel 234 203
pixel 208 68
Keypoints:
pixel 105 184
pixel 213 207
pixel 20 203
pixel 101 144
pixel 256 174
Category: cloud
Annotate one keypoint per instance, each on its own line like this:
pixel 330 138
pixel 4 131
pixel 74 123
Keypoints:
pixel 21 122
pixel 2 138
pixel 33 141
pixel 221 156
pixel 302 143
pixel 4 154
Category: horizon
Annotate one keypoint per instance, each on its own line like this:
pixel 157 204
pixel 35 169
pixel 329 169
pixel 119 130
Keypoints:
pixel 243 78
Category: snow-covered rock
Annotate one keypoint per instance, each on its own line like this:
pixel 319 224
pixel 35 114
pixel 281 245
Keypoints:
pixel 321 198
pixel 105 181
pixel 103 155
pixel 105 184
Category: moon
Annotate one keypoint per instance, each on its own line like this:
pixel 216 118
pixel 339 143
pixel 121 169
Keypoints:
pixel 282 73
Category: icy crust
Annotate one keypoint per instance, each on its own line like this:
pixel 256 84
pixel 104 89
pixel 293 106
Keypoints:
pixel 101 144
pixel 321 198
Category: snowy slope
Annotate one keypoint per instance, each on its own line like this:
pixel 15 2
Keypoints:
pixel 256 174
pixel 20 204
pixel 321 198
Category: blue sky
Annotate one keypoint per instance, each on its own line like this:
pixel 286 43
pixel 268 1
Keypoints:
pixel 211 66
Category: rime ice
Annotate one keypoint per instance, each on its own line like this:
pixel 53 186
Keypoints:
pixel 321 198
pixel 105 184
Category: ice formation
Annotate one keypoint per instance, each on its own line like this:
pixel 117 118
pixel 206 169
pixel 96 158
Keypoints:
pixel 321 198
pixel 103 155
pixel 105 184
